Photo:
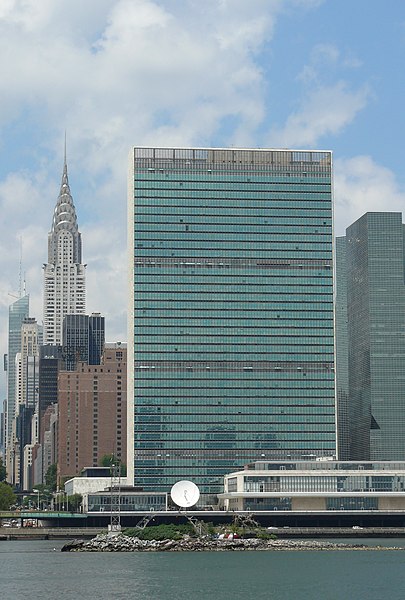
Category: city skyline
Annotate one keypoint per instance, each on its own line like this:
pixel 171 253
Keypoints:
pixel 296 73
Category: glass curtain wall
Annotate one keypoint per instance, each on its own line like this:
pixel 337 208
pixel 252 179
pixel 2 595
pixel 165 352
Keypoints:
pixel 232 330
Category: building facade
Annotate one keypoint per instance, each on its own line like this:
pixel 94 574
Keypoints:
pixel 92 412
pixel 83 339
pixel 18 311
pixel 25 423
pixel 342 351
pixel 231 311
pixel 64 273
pixel 375 356
pixel 50 361
pixel 316 486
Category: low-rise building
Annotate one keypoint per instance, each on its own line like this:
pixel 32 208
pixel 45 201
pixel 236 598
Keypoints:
pixel 95 488
pixel 317 485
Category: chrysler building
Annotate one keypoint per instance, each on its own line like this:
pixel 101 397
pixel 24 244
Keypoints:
pixel 64 273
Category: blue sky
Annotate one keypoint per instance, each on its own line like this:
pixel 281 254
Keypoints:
pixel 322 74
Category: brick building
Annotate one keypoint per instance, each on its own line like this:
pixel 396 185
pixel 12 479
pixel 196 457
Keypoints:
pixel 92 404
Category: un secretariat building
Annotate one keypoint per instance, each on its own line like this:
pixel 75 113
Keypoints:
pixel 231 311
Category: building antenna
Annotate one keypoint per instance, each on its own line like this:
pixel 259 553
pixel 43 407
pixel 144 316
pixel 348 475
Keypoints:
pixel 20 272
pixel 64 154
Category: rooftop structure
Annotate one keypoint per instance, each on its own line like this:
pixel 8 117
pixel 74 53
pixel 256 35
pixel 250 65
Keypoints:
pixel 64 273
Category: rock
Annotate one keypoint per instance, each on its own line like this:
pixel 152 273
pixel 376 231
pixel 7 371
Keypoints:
pixel 122 543
pixel 72 546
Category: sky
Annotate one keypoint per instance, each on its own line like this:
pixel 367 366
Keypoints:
pixel 324 74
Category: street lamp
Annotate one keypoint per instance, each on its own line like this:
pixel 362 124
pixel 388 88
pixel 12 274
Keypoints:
pixel 62 495
pixel 37 492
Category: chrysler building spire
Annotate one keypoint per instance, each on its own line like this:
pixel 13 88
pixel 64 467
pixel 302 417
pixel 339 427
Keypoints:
pixel 64 273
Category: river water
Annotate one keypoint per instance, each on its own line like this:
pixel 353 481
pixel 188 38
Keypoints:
pixel 37 570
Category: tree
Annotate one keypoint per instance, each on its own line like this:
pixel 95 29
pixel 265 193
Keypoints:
pixel 7 496
pixel 51 477
pixel 107 460
pixel 45 494
pixel 110 459
pixel 3 473
pixel 74 502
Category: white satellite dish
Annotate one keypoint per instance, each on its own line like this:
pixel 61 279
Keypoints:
pixel 185 493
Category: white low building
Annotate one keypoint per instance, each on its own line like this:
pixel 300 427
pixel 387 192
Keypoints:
pixel 320 485
pixel 86 485
pixel 95 488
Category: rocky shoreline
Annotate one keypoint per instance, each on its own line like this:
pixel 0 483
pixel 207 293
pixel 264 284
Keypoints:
pixel 123 543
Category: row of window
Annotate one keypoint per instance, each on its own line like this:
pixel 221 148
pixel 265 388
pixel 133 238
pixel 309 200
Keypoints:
pixel 219 188
pixel 145 218
pixel 180 374
pixel 200 253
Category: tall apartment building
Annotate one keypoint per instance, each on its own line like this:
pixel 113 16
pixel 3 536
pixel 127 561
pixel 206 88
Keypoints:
pixel 26 414
pixel 231 311
pixel 375 358
pixel 64 273
pixel 92 412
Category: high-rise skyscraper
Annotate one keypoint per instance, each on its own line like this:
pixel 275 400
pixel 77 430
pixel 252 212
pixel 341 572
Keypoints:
pixel 342 363
pixel 375 359
pixel 83 339
pixel 18 311
pixel 64 273
pixel 231 311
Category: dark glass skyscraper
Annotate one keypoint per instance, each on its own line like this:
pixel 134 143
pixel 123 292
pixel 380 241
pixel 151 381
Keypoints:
pixel 83 339
pixel 231 315
pixel 376 336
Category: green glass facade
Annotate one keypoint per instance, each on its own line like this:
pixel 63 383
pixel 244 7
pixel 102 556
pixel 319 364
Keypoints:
pixel 231 316
pixel 376 336
pixel 342 350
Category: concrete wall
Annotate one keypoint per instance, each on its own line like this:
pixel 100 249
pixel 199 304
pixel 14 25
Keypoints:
pixel 311 503
pixel 87 485
pixel 391 503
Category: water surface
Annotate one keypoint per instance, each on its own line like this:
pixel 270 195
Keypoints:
pixel 38 570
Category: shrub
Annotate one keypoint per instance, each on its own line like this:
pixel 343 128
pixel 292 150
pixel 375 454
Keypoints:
pixel 161 532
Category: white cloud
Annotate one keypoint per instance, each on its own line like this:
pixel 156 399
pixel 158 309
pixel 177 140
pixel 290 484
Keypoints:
pixel 328 103
pixel 362 185
pixel 115 73
pixel 325 110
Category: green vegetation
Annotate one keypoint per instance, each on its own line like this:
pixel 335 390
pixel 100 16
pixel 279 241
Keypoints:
pixel 3 473
pixel 74 502
pixel 110 459
pixel 45 495
pixel 7 496
pixel 161 532
pixel 51 478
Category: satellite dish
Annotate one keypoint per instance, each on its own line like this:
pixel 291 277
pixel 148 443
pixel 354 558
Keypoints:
pixel 185 493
